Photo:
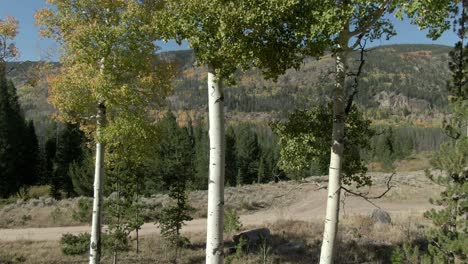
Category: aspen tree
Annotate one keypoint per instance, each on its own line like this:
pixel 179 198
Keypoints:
pixel 347 23
pixel 109 77
pixel 226 36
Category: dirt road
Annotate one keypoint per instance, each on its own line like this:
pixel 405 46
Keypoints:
pixel 310 206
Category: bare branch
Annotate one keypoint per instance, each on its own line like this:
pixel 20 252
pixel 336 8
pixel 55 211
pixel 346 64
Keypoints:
pixel 354 86
pixel 360 195
pixel 10 70
pixel 367 198
pixel 343 202
pixel 357 42
pixel 319 187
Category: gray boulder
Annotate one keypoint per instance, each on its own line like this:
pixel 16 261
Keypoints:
pixel 381 217
pixel 252 237
pixel 291 247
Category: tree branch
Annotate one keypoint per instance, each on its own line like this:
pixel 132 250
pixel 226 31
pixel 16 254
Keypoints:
pixel 367 198
pixel 371 20
pixel 319 187
pixel 354 86
pixel 357 42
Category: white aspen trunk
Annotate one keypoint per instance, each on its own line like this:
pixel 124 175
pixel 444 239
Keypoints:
pixel 336 157
pixel 215 218
pixel 137 217
pixel 95 246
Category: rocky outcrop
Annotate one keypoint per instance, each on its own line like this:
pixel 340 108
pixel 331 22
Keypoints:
pixel 391 100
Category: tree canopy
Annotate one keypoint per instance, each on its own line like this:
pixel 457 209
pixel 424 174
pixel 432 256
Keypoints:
pixel 99 43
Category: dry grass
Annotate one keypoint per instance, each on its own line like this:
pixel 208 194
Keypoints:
pixel 42 212
pixel 276 198
pixel 46 212
pixel 404 227
pixel 414 162
pixel 152 250
pixel 360 240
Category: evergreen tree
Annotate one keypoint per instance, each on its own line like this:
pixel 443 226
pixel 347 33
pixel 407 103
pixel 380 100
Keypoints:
pixel 17 138
pixel 200 180
pixel 231 157
pixel 81 174
pixel 248 154
pixel 458 90
pixel 270 156
pixel 31 157
pixel 50 149
pixel 262 170
pixel 449 237
pixel 13 98
pixel 69 150
pixel 174 154
pixel 191 137
pixel 7 157
pixel 28 150
pixel 66 149
pixel 123 214
pixel 18 143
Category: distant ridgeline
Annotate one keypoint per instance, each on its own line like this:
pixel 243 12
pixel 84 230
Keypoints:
pixel 402 86
pixel 398 79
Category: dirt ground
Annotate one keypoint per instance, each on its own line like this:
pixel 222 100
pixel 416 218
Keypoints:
pixel 291 201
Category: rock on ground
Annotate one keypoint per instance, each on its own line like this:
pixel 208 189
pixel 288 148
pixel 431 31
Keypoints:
pixel 290 247
pixel 252 237
pixel 381 217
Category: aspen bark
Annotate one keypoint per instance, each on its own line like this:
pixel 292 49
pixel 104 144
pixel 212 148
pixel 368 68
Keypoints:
pixel 95 245
pixel 215 217
pixel 336 159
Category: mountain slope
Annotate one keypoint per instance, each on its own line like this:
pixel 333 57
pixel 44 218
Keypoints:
pixel 416 72
pixel 403 81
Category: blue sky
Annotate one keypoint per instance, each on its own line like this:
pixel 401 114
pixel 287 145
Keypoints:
pixel 34 48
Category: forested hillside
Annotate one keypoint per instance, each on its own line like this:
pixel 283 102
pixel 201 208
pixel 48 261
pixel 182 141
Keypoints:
pixel 404 79
pixel 270 92
pixel 399 82
pixel 401 89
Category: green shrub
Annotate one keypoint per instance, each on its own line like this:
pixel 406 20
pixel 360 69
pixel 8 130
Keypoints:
pixel 75 244
pixel 11 258
pixel 411 254
pixel 239 251
pixel 34 192
pixel 79 244
pixel 241 248
pixel 56 214
pixel 397 256
pixel 116 242
pixel 84 211
pixel 232 222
